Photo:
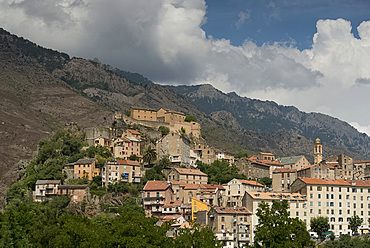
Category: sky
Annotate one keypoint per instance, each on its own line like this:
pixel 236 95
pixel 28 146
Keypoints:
pixel 311 54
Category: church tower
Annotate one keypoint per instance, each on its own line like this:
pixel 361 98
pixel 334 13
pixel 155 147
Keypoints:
pixel 317 151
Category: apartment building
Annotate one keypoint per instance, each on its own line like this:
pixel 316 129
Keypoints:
pixel 176 147
pixel 125 147
pixel 236 188
pixel 294 162
pixel 338 199
pixel 121 170
pixel 320 170
pixel 85 167
pixel 231 225
pixel 282 178
pixel 155 196
pixel 187 176
pixel 296 202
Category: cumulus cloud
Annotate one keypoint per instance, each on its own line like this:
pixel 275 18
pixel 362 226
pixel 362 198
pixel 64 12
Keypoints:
pixel 164 40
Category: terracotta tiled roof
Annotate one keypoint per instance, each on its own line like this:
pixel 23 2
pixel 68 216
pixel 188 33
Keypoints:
pixel 250 182
pixel 128 162
pixel 275 195
pixel 172 204
pixel 258 162
pixel 232 210
pixel 360 162
pixel 190 172
pixel 156 185
pixel 284 170
pixel 321 181
pixel 189 186
pixel 307 167
pixel 269 162
pixel 267 153
pixel 133 131
pixel 210 187
pixel 169 217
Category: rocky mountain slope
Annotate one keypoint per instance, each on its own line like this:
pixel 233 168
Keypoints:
pixel 266 117
pixel 42 89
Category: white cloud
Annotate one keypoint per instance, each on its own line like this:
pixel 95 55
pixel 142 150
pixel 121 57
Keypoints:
pixel 242 17
pixel 164 40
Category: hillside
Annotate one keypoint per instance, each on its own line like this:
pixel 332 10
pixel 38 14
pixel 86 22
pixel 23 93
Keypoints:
pixel 42 89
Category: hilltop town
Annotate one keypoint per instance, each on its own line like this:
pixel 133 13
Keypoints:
pixel 336 186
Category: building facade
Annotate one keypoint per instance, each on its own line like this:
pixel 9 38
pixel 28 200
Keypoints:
pixel 176 147
pixel 121 170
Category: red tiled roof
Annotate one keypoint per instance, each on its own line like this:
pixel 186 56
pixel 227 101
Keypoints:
pixel 267 153
pixel 284 170
pixel 251 182
pixel 232 210
pixel 269 162
pixel 172 204
pixel 189 186
pixel 190 172
pixel 308 180
pixel 258 162
pixel 360 162
pixel 128 162
pixel 169 217
pixel 307 167
pixel 156 185
pixel 133 131
pixel 210 187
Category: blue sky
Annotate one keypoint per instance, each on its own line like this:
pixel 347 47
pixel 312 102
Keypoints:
pixel 278 21
pixel 310 54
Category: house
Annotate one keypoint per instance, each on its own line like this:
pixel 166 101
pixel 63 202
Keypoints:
pixel 45 190
pixel 231 225
pixel 361 170
pixel 206 153
pixel 236 188
pixel 192 176
pixel 222 156
pixel 78 193
pixel 252 168
pixel 337 199
pixel 282 178
pixel 176 147
pixel 155 195
pixel 211 194
pixel 85 167
pixel 121 170
pixel 197 205
pixel 131 133
pixel 294 162
pixel 172 208
pixel 144 114
pixel 105 142
pixel 296 202
pixel 320 170
pixel 125 147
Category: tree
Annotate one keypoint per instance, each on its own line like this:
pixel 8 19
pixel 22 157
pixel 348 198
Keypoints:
pixel 196 236
pixel 241 155
pixel 150 155
pixel 354 223
pixel 164 130
pixel 190 118
pixel 277 229
pixel 220 172
pixel 266 181
pixel 320 225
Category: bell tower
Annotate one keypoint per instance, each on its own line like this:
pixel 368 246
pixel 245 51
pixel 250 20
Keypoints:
pixel 317 151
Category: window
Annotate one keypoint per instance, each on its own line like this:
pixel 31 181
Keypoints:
pixel 222 218
pixel 332 219
pixel 331 204
pixel 340 219
pixel 319 204
pixel 311 203
pixel 319 196
pixel 332 211
pixel 319 211
pixel 340 204
pixel 340 197
pixel 340 211
pixel 157 194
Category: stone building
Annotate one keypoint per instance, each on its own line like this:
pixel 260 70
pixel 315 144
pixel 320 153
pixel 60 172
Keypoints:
pixel 320 170
pixel 294 162
pixel 78 193
pixel 282 178
pixel 188 176
pixel 252 168
pixel 176 147
pixel 45 190
pixel 236 188
pixel 121 170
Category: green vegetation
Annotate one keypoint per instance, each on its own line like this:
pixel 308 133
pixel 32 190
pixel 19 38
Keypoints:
pixel 150 155
pixel 220 172
pixel 190 118
pixel 241 155
pixel 164 130
pixel 277 229
pixel 266 181
pixel 345 241
pixel 354 223
pixel 320 225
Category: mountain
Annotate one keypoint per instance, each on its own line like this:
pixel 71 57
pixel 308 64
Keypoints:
pixel 42 90
pixel 267 117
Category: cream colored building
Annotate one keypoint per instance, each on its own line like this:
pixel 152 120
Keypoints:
pixel 337 199
pixel 296 202
pixel 187 176
pixel 231 225
pixel 320 170
pixel 207 154
pixel 282 178
pixel 236 188
pixel 175 147
pixel 143 114
pixel 125 147
pixel 294 162
pixel 121 170
pixel 45 190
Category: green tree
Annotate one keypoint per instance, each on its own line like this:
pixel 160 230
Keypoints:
pixel 277 229
pixel 320 225
pixel 165 163
pixel 190 118
pixel 220 172
pixel 164 130
pixel 241 155
pixel 354 223
pixel 266 181
pixel 150 155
